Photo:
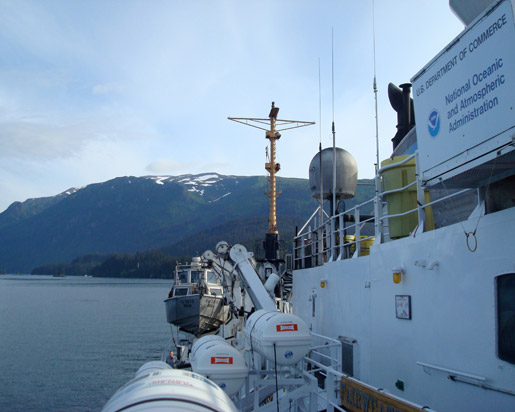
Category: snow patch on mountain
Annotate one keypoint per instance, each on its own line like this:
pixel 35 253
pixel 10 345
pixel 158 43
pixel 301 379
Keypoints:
pixel 212 176
pixel 194 189
pixel 195 182
pixel 73 190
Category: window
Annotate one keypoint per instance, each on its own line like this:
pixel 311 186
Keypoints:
pixel 195 276
pixel 211 277
pixel 183 276
pixel 506 317
pixel 216 291
pixel 180 292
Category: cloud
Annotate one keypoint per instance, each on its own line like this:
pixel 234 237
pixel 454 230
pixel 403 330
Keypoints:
pixel 39 141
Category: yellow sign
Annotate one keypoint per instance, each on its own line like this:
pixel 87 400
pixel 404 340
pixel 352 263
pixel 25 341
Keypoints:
pixel 357 397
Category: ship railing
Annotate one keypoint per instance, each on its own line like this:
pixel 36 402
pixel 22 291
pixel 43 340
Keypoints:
pixel 347 232
pixel 327 395
pixel 351 233
pixel 316 383
pixel 309 245
pixel 322 369
pixel 322 386
pixel 336 238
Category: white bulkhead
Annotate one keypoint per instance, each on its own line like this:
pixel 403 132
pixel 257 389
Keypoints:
pixel 280 337
pixel 216 359
pixel 159 390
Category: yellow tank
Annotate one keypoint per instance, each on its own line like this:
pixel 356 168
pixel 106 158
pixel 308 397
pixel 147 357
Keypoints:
pixel 365 245
pixel 395 178
pixel 352 247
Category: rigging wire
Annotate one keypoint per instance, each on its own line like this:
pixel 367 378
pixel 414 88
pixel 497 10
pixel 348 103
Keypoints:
pixel 276 385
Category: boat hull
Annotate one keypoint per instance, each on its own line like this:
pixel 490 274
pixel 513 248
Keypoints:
pixel 443 348
pixel 196 314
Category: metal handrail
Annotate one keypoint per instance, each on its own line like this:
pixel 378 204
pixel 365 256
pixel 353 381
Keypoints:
pixel 402 189
pixel 328 242
pixel 393 165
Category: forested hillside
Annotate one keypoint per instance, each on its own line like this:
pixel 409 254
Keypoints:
pixel 158 219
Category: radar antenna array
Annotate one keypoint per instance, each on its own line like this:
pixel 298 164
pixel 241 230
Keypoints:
pixel 272 126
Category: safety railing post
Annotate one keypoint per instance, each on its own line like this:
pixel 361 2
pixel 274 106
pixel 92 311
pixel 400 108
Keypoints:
pixel 420 196
pixel 341 237
pixel 332 240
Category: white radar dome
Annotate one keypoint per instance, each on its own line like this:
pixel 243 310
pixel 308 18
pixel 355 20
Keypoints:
pixel 321 174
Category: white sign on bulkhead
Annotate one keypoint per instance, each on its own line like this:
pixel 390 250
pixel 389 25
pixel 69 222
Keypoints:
pixel 466 95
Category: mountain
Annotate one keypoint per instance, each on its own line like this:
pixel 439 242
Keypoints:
pixel 19 211
pixel 179 214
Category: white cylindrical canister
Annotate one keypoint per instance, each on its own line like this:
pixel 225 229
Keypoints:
pixel 280 337
pixel 165 390
pixel 217 360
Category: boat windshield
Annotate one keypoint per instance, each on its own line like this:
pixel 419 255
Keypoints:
pixel 180 292
pixel 216 291
pixel 195 276
pixel 211 277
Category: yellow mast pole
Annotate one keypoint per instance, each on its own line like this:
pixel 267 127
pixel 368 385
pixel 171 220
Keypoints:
pixel 272 168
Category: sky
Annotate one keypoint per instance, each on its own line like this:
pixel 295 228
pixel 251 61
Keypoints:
pixel 91 90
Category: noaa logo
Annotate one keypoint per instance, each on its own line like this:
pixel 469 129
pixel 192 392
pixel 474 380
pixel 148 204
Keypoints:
pixel 288 354
pixel 433 123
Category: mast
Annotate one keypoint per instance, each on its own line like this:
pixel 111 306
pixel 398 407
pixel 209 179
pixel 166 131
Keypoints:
pixel 272 167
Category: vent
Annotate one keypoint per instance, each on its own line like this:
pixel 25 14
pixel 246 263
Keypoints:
pixel 349 349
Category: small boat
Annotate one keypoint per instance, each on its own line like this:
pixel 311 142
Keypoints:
pixel 196 301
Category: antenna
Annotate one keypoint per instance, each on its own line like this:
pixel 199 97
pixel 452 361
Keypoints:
pixel 333 128
pixel 375 83
pixel 272 134
pixel 319 104
pixel 321 215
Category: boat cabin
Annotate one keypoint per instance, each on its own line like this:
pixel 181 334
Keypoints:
pixel 194 279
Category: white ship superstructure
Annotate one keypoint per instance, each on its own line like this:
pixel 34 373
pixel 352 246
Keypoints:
pixel 422 294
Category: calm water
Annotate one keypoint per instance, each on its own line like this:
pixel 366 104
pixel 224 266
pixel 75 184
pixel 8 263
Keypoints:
pixel 67 344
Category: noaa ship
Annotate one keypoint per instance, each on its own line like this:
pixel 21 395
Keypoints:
pixel 405 302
